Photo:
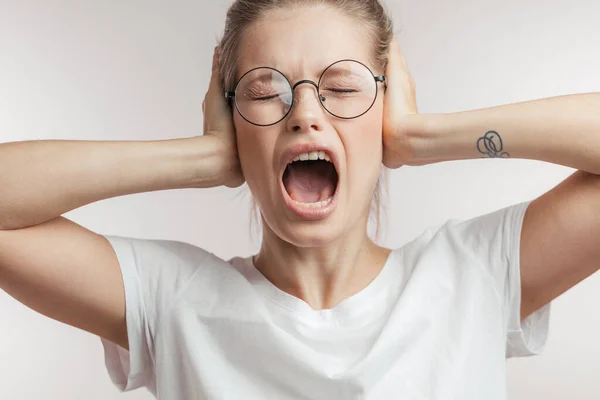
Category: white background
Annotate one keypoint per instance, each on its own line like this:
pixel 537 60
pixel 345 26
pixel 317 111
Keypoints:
pixel 138 70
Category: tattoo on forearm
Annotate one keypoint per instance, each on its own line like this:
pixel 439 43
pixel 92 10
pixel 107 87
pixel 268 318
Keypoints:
pixel 491 145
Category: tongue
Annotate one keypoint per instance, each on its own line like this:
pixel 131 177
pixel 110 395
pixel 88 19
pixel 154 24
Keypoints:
pixel 310 181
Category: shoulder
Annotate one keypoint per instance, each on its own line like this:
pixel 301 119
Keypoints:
pixel 494 228
pixel 158 250
pixel 162 259
pixel 486 240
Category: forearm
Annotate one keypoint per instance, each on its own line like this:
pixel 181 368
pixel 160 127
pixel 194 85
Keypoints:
pixel 41 180
pixel 563 130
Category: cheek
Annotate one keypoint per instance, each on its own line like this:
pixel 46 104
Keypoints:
pixel 364 148
pixel 368 136
pixel 375 129
pixel 255 150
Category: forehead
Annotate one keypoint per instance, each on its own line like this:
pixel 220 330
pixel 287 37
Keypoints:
pixel 302 42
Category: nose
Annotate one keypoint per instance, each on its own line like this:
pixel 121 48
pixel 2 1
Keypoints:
pixel 307 113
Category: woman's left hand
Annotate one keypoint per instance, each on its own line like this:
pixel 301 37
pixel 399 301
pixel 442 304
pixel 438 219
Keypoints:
pixel 400 100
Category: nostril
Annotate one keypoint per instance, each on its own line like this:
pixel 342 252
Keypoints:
pixel 298 128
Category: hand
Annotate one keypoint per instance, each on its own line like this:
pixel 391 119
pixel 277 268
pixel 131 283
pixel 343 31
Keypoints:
pixel 400 101
pixel 218 124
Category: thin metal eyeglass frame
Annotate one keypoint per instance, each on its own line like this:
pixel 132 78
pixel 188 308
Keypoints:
pixel 230 95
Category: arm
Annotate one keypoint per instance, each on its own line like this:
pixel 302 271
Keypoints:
pixel 69 174
pixel 560 243
pixel 59 268
pixel 563 130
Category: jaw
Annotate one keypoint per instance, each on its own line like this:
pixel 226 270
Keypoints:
pixel 321 240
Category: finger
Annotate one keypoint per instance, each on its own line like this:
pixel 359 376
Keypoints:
pixel 215 95
pixel 399 65
pixel 217 113
pixel 215 63
pixel 397 54
pixel 215 69
pixel 392 65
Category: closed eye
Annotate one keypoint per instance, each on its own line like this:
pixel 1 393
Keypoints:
pixel 341 90
pixel 267 98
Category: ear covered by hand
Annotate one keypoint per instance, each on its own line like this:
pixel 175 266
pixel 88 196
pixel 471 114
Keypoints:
pixel 400 101
pixel 219 129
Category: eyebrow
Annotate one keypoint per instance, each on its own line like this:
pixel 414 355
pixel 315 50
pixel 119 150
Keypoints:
pixel 264 76
pixel 344 73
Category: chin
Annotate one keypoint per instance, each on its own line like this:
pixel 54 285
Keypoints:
pixel 310 237
pixel 305 234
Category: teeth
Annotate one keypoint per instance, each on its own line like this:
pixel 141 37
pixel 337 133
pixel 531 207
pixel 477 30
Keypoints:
pixel 314 205
pixel 313 155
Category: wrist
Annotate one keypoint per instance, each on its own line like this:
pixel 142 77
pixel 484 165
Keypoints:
pixel 197 162
pixel 427 139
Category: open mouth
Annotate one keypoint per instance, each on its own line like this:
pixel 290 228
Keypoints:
pixel 311 179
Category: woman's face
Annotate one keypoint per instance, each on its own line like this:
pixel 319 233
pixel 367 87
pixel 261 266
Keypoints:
pixel 301 43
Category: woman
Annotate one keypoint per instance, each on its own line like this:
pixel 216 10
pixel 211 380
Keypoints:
pixel 306 101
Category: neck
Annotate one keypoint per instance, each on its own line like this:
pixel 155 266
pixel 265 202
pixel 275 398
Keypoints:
pixel 321 276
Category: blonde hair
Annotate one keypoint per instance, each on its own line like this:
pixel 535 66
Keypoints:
pixel 372 15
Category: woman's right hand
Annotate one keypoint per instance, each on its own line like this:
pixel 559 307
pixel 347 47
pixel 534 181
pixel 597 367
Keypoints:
pixel 218 125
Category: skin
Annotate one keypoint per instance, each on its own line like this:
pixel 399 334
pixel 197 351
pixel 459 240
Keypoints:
pixel 321 262
pixel 326 262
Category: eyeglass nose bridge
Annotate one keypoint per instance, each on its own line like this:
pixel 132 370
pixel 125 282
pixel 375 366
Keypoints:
pixel 321 98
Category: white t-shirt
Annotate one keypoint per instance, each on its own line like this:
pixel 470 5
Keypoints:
pixel 438 322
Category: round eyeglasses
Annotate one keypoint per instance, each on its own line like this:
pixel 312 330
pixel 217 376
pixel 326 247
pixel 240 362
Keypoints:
pixel 264 96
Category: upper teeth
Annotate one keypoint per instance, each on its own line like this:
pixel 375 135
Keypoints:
pixel 312 155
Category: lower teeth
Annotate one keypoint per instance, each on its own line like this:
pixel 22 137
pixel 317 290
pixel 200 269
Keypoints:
pixel 314 205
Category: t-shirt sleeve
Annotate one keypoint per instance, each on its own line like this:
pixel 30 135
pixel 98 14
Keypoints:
pixel 494 239
pixel 153 272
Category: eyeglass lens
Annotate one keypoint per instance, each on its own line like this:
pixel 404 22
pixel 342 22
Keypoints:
pixel 347 90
